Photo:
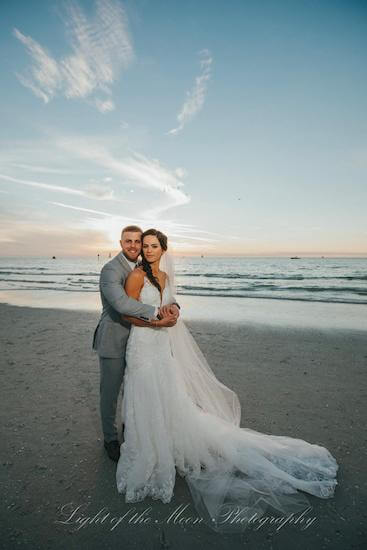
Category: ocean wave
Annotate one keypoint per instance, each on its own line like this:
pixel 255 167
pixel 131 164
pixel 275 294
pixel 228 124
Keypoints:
pixel 267 296
pixel 58 274
pixel 231 293
pixel 21 270
pixel 26 281
pixel 79 282
pixel 273 288
pixel 271 277
pixel 53 288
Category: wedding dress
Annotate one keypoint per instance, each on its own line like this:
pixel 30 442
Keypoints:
pixel 179 417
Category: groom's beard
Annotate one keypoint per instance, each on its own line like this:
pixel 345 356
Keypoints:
pixel 131 259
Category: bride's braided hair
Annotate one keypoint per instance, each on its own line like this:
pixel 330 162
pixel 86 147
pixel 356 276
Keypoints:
pixel 144 263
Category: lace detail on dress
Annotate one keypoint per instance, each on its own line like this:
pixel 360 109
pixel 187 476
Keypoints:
pixel 153 489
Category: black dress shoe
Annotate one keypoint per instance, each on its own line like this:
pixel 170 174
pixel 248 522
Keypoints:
pixel 113 449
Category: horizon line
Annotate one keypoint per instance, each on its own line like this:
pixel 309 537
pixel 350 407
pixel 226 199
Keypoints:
pixel 289 255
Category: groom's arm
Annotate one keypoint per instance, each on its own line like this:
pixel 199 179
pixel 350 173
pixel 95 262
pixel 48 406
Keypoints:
pixel 114 292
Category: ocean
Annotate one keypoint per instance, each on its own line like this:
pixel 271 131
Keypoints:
pixel 341 280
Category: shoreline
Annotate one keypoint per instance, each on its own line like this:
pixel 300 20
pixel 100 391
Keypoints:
pixel 301 382
pixel 24 292
pixel 259 311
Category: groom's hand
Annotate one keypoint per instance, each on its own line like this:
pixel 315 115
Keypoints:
pixel 169 311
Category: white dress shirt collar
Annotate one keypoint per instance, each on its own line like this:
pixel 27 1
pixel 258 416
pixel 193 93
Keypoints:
pixel 131 264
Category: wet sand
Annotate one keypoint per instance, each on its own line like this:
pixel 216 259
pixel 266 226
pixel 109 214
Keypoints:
pixel 308 383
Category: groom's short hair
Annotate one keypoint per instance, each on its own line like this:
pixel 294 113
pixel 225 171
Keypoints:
pixel 133 228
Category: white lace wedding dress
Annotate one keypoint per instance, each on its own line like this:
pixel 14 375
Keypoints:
pixel 181 419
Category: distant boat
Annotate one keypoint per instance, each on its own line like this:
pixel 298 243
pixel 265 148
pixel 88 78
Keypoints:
pixel 54 257
pixel 295 258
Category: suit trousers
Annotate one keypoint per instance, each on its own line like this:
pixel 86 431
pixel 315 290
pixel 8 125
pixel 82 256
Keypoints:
pixel 111 376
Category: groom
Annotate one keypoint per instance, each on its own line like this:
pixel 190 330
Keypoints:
pixel 111 334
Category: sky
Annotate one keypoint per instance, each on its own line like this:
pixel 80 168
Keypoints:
pixel 236 128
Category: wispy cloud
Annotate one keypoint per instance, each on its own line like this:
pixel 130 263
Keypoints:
pixel 98 191
pixel 196 96
pixel 40 185
pixel 112 224
pixel 134 169
pixel 90 191
pixel 101 47
pixel 104 106
pixel 194 238
pixel 80 209
pixel 175 229
pixel 178 246
pixel 98 169
pixel 41 169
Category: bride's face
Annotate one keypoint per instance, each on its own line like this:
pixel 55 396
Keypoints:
pixel 152 248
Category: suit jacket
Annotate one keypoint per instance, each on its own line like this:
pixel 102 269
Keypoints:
pixel 111 333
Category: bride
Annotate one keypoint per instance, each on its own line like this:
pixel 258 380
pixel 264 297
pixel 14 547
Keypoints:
pixel 179 417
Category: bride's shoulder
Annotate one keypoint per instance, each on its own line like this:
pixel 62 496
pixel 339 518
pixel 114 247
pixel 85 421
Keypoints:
pixel 136 275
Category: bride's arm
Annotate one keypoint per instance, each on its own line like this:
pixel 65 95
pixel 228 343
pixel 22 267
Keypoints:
pixel 133 285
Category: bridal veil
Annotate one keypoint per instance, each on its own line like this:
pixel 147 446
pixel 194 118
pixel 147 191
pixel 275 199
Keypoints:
pixel 257 472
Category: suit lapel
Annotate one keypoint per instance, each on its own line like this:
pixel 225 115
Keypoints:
pixel 123 261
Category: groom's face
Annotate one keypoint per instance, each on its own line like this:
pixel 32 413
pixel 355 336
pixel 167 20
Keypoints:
pixel 131 245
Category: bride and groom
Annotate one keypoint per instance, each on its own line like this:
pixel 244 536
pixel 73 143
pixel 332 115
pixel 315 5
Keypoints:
pixel 178 417
pixel 112 331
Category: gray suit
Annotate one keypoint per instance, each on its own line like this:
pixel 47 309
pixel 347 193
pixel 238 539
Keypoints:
pixel 110 337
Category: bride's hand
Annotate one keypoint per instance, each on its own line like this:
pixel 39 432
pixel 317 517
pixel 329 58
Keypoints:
pixel 168 321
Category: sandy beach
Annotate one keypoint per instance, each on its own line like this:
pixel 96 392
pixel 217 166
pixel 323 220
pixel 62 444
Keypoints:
pixel 303 382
